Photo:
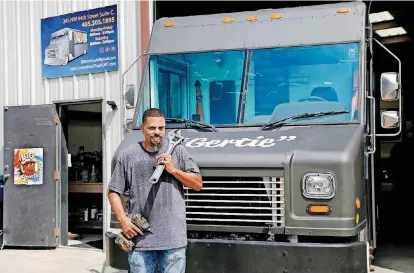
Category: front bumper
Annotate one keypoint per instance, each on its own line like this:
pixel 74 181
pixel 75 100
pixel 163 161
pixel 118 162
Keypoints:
pixel 223 256
pixel 219 256
pixel 52 61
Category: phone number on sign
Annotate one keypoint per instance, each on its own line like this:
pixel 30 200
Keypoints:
pixel 97 22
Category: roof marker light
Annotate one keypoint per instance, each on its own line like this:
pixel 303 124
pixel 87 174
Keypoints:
pixel 228 20
pixel 251 18
pixel 276 16
pixel 343 10
pixel 169 24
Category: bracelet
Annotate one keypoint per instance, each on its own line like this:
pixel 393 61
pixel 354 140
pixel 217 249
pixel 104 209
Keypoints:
pixel 199 99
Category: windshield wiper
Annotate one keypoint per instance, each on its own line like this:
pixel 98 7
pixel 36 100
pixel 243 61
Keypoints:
pixel 274 124
pixel 192 123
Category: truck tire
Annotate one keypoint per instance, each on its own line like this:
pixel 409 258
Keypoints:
pixel 66 59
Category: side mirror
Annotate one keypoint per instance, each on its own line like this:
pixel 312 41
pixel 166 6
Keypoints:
pixel 389 119
pixel 130 96
pixel 389 86
pixel 128 125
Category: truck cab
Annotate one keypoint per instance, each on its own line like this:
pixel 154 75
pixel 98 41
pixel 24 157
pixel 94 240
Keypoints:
pixel 276 108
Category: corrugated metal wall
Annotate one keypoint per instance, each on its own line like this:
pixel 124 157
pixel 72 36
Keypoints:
pixel 21 80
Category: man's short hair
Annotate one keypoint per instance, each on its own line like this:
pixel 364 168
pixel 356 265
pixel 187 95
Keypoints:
pixel 151 113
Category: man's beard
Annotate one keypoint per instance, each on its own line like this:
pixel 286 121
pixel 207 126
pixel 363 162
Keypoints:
pixel 155 147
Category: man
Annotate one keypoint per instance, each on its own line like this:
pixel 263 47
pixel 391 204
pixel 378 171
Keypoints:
pixel 199 101
pixel 162 204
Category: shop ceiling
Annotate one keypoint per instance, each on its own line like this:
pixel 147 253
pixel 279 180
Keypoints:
pixel 392 20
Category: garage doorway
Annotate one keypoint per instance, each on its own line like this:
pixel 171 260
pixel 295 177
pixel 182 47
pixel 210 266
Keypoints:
pixel 82 125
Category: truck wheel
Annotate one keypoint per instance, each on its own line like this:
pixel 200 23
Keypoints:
pixel 65 60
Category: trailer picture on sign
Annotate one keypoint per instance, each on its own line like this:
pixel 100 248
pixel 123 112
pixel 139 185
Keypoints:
pixel 65 45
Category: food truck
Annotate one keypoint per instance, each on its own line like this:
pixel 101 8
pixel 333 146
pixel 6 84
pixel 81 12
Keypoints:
pixel 277 108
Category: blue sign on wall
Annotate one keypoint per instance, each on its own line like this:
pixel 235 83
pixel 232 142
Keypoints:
pixel 80 43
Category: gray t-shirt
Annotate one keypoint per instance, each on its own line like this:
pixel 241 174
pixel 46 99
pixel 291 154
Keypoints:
pixel 163 203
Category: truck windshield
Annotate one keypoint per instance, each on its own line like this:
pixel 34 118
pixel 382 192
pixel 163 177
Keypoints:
pixel 254 87
pixel 58 39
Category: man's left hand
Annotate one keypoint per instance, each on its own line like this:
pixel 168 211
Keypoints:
pixel 167 161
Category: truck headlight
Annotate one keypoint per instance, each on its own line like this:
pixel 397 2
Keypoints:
pixel 318 185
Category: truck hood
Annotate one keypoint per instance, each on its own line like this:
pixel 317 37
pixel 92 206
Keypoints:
pixel 261 149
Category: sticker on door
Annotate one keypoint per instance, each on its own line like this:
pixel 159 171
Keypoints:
pixel 28 166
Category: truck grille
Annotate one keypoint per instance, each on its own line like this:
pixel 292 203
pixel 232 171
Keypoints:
pixel 51 53
pixel 237 201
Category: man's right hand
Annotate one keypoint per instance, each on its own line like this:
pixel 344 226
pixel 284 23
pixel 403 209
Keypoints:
pixel 129 229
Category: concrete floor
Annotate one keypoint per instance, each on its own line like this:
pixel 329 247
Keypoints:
pixel 68 260
pixel 397 256
pixel 384 270
pixel 62 260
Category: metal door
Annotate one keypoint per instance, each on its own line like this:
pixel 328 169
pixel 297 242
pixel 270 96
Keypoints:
pixel 32 191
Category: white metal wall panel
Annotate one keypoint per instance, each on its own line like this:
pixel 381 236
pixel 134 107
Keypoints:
pixel 21 80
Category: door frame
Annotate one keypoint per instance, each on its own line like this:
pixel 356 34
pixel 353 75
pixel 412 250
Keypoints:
pixel 58 104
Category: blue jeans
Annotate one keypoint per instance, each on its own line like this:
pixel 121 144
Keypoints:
pixel 170 261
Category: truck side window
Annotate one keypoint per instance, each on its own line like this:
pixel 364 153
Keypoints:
pixel 170 93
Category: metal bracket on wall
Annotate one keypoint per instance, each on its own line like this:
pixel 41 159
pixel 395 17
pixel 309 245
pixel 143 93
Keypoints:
pixel 56 175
